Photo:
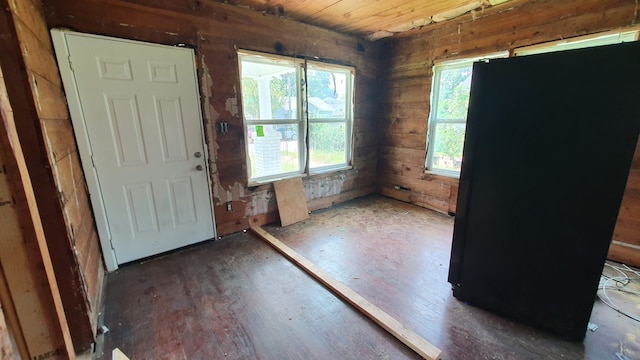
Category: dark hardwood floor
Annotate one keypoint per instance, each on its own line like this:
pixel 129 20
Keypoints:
pixel 237 298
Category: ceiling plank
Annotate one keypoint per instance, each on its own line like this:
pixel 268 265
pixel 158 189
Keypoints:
pixel 361 18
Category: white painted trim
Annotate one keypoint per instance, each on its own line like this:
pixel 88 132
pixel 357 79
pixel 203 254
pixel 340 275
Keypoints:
pixel 302 120
pixel 624 244
pixel 84 146
pixel 579 42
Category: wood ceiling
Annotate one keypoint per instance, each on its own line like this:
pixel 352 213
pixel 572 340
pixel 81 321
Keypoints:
pixel 373 19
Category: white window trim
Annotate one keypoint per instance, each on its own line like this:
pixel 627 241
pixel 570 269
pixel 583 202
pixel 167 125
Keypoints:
pixel 581 42
pixel 347 120
pixel 302 120
pixel 435 92
pixel 298 66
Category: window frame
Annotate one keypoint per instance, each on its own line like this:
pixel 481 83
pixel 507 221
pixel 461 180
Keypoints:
pixel 302 119
pixel 433 120
pixel 347 120
pixel 581 42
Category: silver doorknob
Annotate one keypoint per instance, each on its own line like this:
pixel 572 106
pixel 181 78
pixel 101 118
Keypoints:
pixel 199 167
pixel 198 154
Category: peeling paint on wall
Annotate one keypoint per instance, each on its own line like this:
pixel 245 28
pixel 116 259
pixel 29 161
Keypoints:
pixel 261 202
pixel 323 187
pixel 232 105
pixel 233 192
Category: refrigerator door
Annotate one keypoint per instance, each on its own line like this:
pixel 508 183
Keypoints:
pixel 549 143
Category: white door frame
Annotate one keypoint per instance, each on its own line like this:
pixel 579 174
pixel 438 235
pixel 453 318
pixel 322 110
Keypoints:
pixel 84 144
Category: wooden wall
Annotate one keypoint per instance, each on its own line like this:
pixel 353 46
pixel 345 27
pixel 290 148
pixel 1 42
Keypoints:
pixel 505 27
pixel 42 121
pixel 31 302
pixel 626 237
pixel 216 31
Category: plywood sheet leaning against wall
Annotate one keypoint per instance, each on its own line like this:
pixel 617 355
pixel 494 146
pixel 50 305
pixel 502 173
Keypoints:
pixel 35 91
pixel 414 341
pixel 625 247
pixel 217 31
pixel 292 205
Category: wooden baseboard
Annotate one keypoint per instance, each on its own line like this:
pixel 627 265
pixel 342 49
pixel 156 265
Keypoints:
pixel 625 254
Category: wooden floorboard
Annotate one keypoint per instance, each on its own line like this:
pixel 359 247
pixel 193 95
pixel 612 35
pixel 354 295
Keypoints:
pixel 237 298
pixel 391 325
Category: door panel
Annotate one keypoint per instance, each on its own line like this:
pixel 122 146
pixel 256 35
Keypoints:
pixel 171 127
pixel 122 114
pixel 141 112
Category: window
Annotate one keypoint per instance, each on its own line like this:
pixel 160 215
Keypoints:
pixel 450 97
pixel 447 121
pixel 286 99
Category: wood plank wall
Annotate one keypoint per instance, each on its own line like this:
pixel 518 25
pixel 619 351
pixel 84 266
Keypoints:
pixel 626 237
pixel 29 294
pixel 505 27
pixel 35 92
pixel 216 31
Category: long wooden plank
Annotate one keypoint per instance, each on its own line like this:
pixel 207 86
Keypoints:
pixel 116 354
pixel 13 331
pixel 35 97
pixel 393 326
pixel 41 329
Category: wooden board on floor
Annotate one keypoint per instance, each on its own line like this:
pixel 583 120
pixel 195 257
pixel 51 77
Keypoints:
pixel 291 202
pixel 116 354
pixel 393 326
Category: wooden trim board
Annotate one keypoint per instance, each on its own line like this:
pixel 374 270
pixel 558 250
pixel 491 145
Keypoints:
pixel 29 291
pixel 117 354
pixel 391 325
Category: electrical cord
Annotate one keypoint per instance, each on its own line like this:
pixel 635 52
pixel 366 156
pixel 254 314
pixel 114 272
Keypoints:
pixel 620 284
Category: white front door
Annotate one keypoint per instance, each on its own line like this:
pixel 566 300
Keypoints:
pixel 140 109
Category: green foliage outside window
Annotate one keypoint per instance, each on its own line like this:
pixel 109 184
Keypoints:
pixel 452 104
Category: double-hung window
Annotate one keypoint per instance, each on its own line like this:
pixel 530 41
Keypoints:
pixel 330 113
pixel 298 116
pixel 448 118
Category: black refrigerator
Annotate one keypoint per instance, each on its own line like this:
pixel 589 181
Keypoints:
pixel 548 147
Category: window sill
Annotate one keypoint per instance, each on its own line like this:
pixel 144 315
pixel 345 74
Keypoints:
pixel 271 180
pixel 448 177
pixel 332 171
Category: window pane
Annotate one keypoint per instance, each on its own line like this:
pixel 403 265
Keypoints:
pixel 269 91
pixel 327 94
pixel 449 141
pixel 271 153
pixel 453 96
pixel 327 144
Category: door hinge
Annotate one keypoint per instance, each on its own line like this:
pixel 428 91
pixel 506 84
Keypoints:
pixel 93 162
pixel 70 62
